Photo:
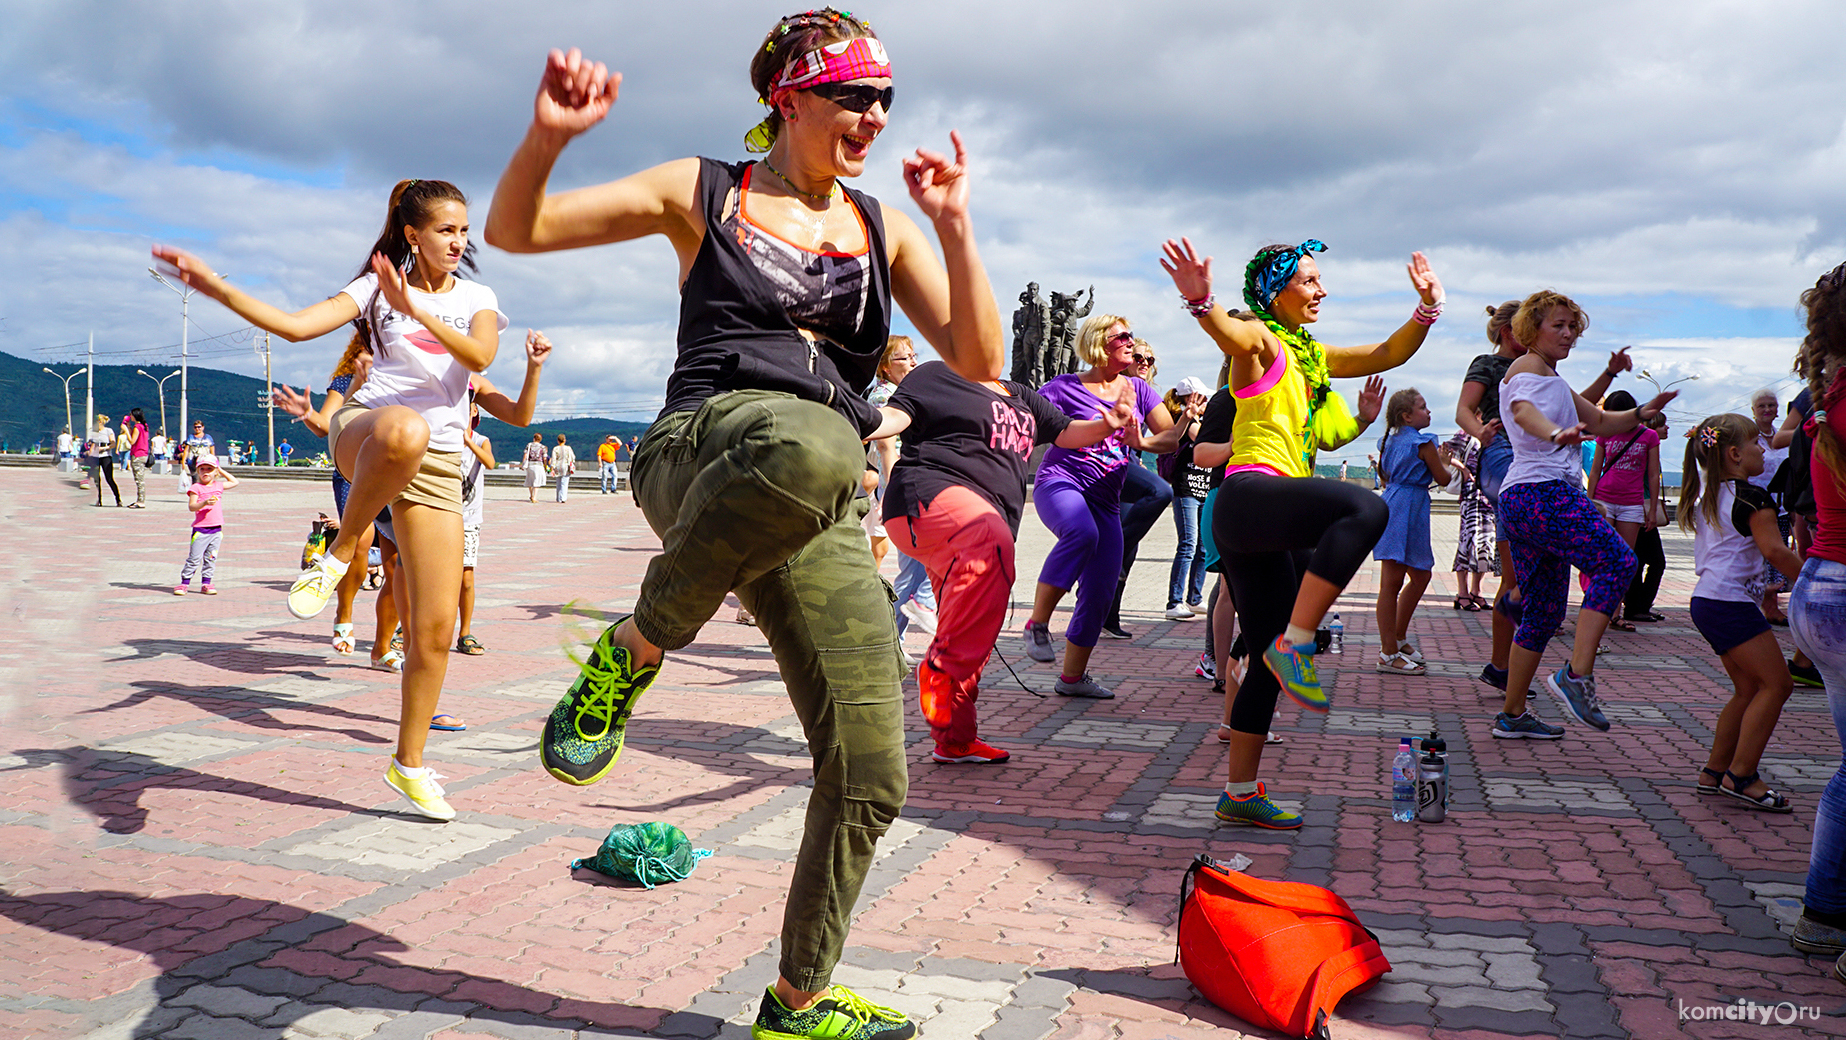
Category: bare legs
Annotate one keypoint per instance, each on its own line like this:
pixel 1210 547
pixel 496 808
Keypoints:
pixel 1761 685
pixel 429 556
pixel 1399 590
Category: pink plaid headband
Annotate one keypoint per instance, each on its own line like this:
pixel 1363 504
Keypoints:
pixel 861 57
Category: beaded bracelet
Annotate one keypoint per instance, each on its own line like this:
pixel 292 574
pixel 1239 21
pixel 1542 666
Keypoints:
pixel 1425 314
pixel 1199 308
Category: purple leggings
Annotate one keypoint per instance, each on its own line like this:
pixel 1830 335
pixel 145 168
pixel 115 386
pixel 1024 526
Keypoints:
pixel 1553 527
pixel 1088 554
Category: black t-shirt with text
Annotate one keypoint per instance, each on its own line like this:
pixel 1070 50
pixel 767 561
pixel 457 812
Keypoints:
pixel 1215 427
pixel 968 435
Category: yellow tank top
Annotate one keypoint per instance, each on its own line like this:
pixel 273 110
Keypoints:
pixel 1272 417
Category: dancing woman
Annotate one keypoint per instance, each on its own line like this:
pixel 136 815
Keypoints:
pixel 954 503
pixel 1550 522
pixel 750 474
pixel 1289 541
pixel 1078 495
pixel 1478 412
pixel 399 437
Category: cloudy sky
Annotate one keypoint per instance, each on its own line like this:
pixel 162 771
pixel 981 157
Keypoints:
pixel 1678 168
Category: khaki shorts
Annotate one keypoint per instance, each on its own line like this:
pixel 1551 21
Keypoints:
pixel 438 480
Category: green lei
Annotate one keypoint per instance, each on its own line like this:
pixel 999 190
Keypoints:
pixel 1328 420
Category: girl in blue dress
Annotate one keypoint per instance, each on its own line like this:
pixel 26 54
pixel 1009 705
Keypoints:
pixel 1409 462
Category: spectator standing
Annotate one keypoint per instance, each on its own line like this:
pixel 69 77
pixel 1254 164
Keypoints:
pixel 283 452
pixel 534 461
pixel 563 464
pixel 1766 410
pixel 203 499
pixel 67 445
pixel 99 455
pixel 605 462
pixel 137 456
pixel 198 446
pixel 158 446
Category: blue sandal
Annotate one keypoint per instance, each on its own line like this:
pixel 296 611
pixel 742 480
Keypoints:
pixel 450 726
pixel 1768 801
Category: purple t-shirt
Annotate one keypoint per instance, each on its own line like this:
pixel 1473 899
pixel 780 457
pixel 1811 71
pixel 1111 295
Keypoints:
pixel 1097 470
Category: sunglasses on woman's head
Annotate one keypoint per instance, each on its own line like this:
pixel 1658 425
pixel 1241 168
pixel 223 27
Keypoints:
pixel 854 97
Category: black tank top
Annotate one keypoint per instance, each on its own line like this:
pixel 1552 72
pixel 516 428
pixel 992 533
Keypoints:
pixel 735 333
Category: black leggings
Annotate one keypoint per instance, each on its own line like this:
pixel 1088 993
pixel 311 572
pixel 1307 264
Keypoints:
pixel 1270 531
pixel 105 469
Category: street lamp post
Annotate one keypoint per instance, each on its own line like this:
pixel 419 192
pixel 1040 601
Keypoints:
pixel 185 327
pixel 1659 388
pixel 67 393
pixel 161 383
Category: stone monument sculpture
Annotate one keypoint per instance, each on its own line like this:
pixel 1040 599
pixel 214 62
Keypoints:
pixel 1045 334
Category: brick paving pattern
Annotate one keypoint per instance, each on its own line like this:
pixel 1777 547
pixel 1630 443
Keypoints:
pixel 199 844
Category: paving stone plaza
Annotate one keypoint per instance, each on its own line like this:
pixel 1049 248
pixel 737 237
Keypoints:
pixel 199 843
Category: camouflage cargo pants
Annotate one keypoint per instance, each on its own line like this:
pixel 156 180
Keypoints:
pixel 754 492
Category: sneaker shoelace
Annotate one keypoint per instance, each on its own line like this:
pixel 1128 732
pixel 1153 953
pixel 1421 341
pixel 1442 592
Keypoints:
pixel 858 1007
pixel 598 702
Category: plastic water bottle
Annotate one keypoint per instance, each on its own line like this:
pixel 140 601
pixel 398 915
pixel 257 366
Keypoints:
pixel 1404 783
pixel 1432 789
pixel 1338 633
pixel 1434 744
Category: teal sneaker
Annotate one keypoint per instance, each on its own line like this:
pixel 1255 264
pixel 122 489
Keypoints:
pixel 840 1015
pixel 1293 667
pixel 1578 695
pixel 1256 810
pixel 584 734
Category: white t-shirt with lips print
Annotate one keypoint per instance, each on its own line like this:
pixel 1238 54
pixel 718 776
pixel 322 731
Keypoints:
pixel 411 367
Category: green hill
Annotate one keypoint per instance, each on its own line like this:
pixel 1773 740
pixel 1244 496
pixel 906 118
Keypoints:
pixel 227 403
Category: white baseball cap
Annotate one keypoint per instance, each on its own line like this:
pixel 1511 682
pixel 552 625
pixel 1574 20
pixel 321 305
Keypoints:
pixel 1192 385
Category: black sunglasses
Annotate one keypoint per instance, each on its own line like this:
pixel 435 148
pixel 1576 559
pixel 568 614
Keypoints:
pixel 1143 359
pixel 855 97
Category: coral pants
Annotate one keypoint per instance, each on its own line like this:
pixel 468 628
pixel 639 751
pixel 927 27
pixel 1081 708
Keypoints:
pixel 967 548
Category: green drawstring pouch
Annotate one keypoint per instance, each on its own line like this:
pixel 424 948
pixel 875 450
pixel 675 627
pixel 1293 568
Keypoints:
pixel 648 853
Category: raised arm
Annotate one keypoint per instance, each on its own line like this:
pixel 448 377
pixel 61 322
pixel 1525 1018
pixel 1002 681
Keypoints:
pixel 573 96
pixel 1191 275
pixel 494 401
pixel 1785 434
pixel 1346 362
pixel 307 323
pixel 952 303
pixel 1599 423
pixel 1619 362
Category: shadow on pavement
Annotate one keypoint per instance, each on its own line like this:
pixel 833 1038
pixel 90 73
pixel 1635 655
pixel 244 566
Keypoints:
pixel 196 978
pixel 251 708
pixel 231 656
pixel 108 784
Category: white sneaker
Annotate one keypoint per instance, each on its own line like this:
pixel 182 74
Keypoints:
pixel 315 586
pixel 920 616
pixel 1180 612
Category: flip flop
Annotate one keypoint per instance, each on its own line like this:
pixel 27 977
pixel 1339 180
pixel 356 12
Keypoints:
pixel 433 724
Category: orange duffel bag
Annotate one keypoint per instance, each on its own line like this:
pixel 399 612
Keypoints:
pixel 1277 954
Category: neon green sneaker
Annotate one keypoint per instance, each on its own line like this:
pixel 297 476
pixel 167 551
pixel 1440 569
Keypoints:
pixel 1293 667
pixel 584 734
pixel 1256 810
pixel 840 1015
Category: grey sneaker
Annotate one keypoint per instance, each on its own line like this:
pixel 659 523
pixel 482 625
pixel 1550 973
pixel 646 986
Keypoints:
pixel 1525 726
pixel 1083 687
pixel 1038 642
pixel 1814 937
pixel 1578 696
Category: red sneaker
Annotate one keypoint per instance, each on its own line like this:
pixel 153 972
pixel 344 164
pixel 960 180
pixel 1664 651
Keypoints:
pixel 977 751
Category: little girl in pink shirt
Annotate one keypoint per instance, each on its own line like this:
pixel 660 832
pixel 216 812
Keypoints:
pixel 208 487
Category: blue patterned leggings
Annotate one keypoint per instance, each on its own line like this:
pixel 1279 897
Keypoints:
pixel 1553 527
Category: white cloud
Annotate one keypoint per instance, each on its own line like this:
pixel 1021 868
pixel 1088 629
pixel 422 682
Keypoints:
pixel 1613 151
